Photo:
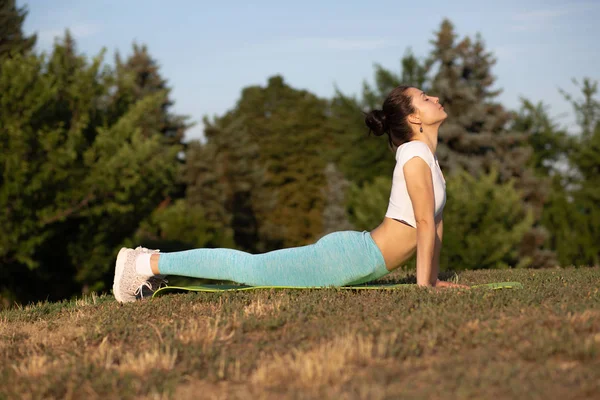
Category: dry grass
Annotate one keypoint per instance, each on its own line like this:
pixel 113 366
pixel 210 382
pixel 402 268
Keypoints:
pixel 157 359
pixel 264 307
pixel 206 332
pixel 35 366
pixel 327 363
pixel 541 342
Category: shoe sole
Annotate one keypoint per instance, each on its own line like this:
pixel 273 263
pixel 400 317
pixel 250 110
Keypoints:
pixel 119 267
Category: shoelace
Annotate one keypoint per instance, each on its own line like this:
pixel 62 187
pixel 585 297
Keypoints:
pixel 148 284
pixel 158 280
pixel 140 291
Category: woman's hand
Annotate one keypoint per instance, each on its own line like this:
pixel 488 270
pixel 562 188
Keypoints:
pixel 443 284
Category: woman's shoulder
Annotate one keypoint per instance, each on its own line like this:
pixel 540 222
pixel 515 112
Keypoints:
pixel 414 148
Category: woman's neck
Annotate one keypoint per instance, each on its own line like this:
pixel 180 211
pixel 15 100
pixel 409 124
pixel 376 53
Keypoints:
pixel 431 142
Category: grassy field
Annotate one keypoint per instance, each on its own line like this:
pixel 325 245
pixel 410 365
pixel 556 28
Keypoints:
pixel 542 342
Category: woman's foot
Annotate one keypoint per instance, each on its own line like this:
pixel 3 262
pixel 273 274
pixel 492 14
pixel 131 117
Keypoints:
pixel 128 285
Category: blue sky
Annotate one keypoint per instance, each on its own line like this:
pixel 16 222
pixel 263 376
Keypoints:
pixel 209 50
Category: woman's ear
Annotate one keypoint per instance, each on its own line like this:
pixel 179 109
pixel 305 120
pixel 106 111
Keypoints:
pixel 414 119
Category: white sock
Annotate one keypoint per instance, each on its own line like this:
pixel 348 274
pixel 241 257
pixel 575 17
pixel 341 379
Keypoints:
pixel 142 264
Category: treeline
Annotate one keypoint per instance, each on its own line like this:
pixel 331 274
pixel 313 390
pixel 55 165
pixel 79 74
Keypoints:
pixel 93 158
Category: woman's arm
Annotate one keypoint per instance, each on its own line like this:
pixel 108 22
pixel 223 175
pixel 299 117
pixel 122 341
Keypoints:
pixel 420 190
pixel 435 268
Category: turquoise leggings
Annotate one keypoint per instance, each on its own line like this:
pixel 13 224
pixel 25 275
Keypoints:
pixel 337 259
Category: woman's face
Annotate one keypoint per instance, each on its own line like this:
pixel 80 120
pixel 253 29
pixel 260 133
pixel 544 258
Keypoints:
pixel 429 109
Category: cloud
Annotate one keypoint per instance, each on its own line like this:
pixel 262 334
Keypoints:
pixel 537 20
pixel 82 30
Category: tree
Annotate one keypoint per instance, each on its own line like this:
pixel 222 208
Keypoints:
pixel 224 176
pixel 587 111
pixel 548 141
pixel 12 39
pixel 138 77
pixel 579 194
pixel 484 223
pixel 476 137
pixel 284 208
pixel 74 188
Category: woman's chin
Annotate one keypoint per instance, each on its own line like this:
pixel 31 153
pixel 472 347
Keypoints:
pixel 442 117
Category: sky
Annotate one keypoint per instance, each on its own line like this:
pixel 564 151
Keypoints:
pixel 210 50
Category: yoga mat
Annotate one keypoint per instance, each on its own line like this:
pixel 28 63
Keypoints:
pixel 373 286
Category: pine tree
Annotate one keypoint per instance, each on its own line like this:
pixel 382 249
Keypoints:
pixel 73 189
pixel 548 141
pixel 475 137
pixel 12 39
pixel 587 111
pixel 138 77
pixel 584 184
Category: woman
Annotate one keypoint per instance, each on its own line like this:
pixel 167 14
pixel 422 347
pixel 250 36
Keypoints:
pixel 413 221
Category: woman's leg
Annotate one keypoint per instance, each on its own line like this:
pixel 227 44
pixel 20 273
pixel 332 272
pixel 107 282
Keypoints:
pixel 337 259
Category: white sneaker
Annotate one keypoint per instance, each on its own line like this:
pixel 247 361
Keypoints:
pixel 128 285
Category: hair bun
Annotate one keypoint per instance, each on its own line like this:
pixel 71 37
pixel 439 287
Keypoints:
pixel 376 122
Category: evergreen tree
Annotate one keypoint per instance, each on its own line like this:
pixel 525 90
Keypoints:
pixel 134 79
pixel 138 77
pixel 73 189
pixel 548 141
pixel 587 111
pixel 571 213
pixel 12 39
pixel 475 137
pixel 484 223
pixel 584 185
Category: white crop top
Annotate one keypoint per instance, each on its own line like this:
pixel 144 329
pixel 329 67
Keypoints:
pixel 400 206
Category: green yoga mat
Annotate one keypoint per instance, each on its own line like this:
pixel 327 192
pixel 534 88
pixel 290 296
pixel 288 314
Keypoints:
pixel 379 286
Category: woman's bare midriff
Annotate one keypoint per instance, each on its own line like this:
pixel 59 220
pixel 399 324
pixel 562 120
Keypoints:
pixel 396 240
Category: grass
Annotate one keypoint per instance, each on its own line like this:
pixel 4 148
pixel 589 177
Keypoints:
pixel 537 343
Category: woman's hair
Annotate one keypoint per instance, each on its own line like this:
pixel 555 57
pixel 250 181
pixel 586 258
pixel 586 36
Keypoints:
pixel 391 119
